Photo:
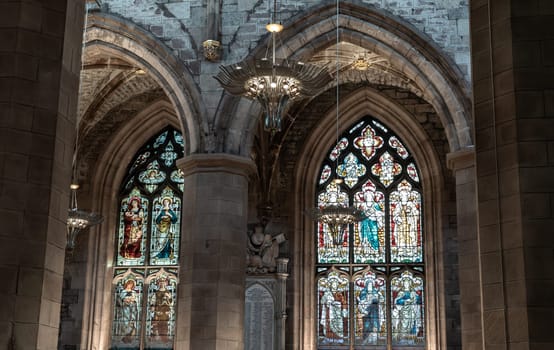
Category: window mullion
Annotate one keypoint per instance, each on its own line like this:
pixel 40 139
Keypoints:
pixel 144 311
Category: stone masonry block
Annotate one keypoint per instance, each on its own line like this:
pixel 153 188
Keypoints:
pixel 27 309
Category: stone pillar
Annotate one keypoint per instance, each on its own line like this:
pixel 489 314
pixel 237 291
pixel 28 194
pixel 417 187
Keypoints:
pixel 513 84
pixel 40 51
pixel 282 275
pixel 213 264
pixel 462 164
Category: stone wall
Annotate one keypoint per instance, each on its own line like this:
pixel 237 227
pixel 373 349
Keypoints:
pixel 181 24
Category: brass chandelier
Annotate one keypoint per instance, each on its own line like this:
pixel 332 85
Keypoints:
pixel 336 214
pixel 78 219
pixel 273 82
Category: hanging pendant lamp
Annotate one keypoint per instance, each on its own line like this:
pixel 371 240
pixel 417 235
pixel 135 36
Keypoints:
pixel 336 213
pixel 273 82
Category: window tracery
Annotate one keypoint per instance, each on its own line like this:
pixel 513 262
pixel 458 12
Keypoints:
pixel 370 279
pixel 147 247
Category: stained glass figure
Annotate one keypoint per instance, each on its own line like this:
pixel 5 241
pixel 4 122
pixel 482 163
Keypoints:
pixel 381 179
pixel 164 247
pixel 325 174
pixel 132 229
pixel 127 312
pixel 405 222
pixel 412 172
pixel 395 143
pixel 333 309
pixel 386 169
pixel 147 241
pixel 370 308
pixel 369 242
pixel 332 249
pixel 152 176
pixel 339 147
pixel 368 142
pixel 160 318
pixel 178 178
pixel 407 309
pixel 351 170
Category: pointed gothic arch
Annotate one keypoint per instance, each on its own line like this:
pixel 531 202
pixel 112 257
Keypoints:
pixel 355 106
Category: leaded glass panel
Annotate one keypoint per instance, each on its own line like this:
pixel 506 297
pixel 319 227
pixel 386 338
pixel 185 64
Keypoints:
pixel 147 246
pixel 407 309
pixel 127 302
pixel 132 229
pixel 377 262
pixel 332 248
pixel 370 294
pixel 369 245
pixel 405 224
pixel 164 247
pixel 160 318
pixel 333 305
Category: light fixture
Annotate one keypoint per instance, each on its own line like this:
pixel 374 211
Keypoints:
pixel 78 219
pixel 335 212
pixel 361 64
pixel 273 82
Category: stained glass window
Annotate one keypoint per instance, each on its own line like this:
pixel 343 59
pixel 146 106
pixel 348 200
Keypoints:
pixel 370 276
pixel 147 247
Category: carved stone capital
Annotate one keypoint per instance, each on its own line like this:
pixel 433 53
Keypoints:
pixel 461 159
pixel 216 163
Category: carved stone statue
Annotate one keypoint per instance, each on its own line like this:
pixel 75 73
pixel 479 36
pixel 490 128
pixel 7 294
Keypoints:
pixel 262 250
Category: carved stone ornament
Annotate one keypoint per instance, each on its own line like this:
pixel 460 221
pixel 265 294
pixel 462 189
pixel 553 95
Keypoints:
pixel 262 251
pixel 211 49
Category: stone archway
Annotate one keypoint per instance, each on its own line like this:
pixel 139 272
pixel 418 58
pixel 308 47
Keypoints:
pixel 115 37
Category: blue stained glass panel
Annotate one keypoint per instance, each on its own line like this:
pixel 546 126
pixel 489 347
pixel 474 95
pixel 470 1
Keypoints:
pixel 152 176
pixel 351 170
pixel 160 139
pixel 126 326
pixel 179 138
pixel 169 155
pixel 407 310
pixel 370 295
pixel 166 223
pixel 369 234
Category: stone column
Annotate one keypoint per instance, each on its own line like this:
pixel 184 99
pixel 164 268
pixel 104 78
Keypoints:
pixel 281 312
pixel 513 84
pixel 213 264
pixel 40 45
pixel 462 164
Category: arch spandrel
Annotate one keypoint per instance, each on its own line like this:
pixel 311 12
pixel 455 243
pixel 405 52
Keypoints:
pixel 430 73
pixel 116 37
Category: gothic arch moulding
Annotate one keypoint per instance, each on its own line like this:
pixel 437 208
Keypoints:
pixel 432 75
pixel 360 103
pixel 116 37
pixel 112 167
